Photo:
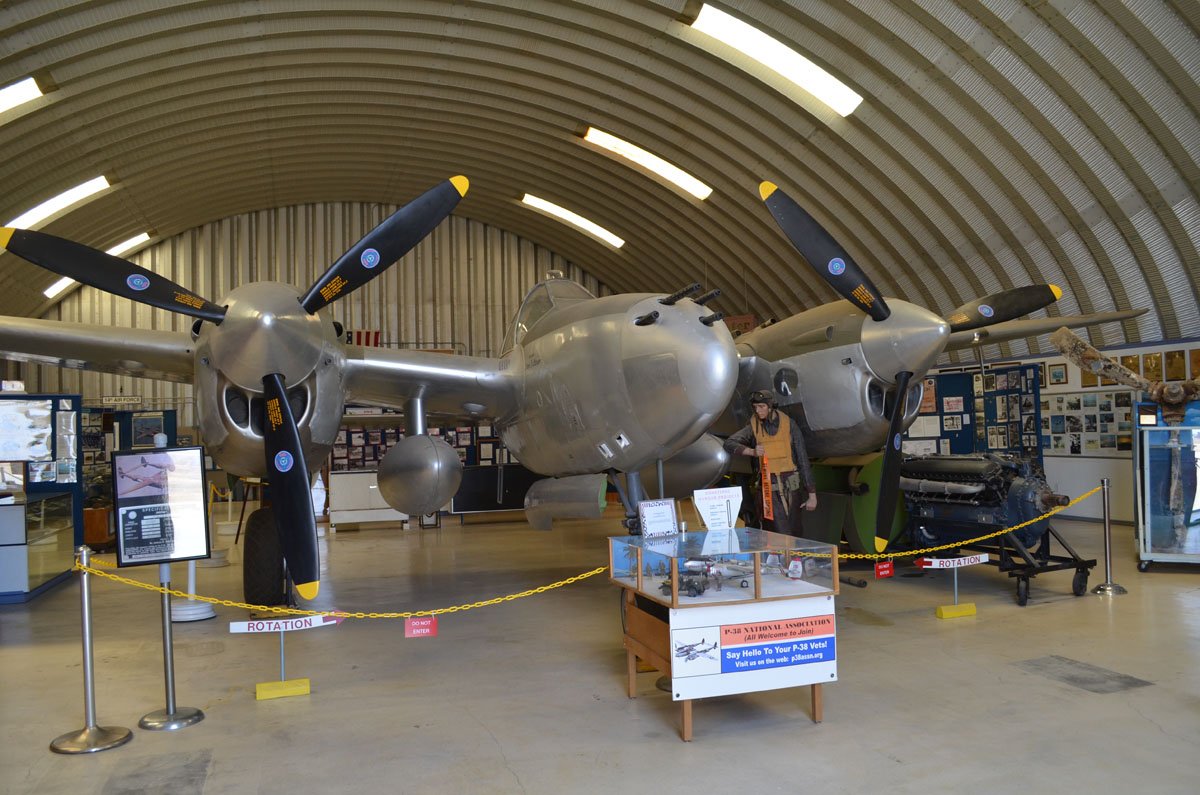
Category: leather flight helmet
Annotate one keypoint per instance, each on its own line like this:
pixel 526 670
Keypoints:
pixel 762 396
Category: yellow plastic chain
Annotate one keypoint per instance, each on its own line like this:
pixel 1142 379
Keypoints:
pixel 336 613
pixel 541 589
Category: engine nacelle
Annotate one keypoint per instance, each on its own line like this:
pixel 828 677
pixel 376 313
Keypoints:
pixel 419 475
pixel 697 466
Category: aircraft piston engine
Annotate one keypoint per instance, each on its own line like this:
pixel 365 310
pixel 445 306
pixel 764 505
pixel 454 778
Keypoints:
pixel 419 475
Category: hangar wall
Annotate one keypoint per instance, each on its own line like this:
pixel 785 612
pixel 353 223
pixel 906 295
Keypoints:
pixel 457 289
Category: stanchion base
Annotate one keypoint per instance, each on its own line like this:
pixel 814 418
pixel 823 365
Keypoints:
pixel 1109 589
pixel 220 557
pixel 956 611
pixel 89 741
pixel 161 720
pixel 189 610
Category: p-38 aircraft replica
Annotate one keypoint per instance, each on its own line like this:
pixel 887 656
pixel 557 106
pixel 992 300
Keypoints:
pixel 585 386
pixel 850 372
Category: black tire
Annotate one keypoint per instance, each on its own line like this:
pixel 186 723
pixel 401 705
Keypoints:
pixel 1143 565
pixel 691 591
pixel 1022 591
pixel 262 561
pixel 1079 584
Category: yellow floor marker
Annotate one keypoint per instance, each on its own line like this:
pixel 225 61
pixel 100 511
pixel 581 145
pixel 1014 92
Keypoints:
pixel 956 611
pixel 291 687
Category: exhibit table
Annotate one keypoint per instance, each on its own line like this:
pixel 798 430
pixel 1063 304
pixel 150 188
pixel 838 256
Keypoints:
pixel 723 612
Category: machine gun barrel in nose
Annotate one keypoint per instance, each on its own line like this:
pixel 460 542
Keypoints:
pixel 678 294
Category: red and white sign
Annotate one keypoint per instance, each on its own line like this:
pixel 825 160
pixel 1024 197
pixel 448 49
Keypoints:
pixel 367 339
pixel 885 568
pixel 285 624
pixel 424 627
pixel 950 563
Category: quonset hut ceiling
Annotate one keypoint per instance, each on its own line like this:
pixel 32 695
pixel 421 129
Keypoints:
pixel 999 143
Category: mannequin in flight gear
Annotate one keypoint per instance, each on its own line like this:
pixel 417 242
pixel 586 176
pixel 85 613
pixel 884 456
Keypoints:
pixel 772 434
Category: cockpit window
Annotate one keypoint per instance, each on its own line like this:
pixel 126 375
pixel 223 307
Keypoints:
pixel 547 295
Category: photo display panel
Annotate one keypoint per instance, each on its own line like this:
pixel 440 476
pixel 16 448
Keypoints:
pixel 160 505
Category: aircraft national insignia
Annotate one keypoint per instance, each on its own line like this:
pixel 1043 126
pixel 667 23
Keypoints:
pixel 137 282
pixel 284 461
pixel 896 441
pixel 986 310
pixel 369 258
pixel 837 266
pixel 333 288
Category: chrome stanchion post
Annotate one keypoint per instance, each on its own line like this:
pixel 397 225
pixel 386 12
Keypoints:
pixel 1108 587
pixel 91 738
pixel 171 717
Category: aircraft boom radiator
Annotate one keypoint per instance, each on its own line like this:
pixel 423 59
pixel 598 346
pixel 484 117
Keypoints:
pixel 959 497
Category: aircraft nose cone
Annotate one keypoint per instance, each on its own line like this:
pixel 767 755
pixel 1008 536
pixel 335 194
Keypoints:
pixel 910 339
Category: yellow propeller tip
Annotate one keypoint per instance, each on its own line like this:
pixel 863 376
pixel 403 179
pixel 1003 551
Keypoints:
pixel 460 184
pixel 765 189
pixel 880 544
pixel 308 590
pixel 1054 288
pixel 5 235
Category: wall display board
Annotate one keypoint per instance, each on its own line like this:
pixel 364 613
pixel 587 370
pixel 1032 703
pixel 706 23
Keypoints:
pixel 39 436
pixel 968 412
pixel 160 505
pixel 1091 423
pixel 366 439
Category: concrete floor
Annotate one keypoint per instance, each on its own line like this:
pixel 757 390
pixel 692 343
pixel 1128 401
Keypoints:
pixel 528 695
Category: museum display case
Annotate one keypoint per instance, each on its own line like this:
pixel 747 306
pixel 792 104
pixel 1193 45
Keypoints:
pixel 694 569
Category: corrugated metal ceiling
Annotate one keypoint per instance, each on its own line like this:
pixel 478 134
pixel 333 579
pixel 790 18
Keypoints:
pixel 999 143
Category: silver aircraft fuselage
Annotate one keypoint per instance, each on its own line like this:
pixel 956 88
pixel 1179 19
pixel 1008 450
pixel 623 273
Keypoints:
pixel 833 369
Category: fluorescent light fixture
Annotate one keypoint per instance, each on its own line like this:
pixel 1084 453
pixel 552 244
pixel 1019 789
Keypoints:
pixel 116 251
pixel 59 202
pixel 132 242
pixel 649 160
pixel 778 56
pixel 18 93
pixel 591 227
pixel 59 286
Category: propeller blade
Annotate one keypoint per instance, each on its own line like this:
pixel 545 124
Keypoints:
pixel 1085 357
pixel 106 272
pixel 823 252
pixel 1002 306
pixel 291 502
pixel 385 244
pixel 889 479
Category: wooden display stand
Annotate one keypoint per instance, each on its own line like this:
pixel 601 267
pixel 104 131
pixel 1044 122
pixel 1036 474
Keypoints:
pixel 649 639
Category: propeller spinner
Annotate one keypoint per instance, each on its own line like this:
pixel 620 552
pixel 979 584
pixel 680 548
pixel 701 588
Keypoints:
pixel 266 344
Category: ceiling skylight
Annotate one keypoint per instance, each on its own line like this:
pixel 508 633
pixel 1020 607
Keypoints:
pixel 576 220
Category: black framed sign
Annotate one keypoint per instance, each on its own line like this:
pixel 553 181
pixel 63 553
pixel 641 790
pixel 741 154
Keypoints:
pixel 160 506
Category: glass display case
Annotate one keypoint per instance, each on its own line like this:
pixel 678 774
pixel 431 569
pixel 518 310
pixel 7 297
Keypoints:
pixel 719 566
pixel 37 543
pixel 1169 508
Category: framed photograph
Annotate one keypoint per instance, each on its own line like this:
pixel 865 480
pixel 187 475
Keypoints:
pixel 1152 366
pixel 1088 378
pixel 1194 354
pixel 1132 362
pixel 1175 366
pixel 989 382
pixel 1041 375
pixel 1058 374
pixel 144 427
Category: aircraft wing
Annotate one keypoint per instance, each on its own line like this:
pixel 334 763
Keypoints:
pixel 165 355
pixel 447 383
pixel 1017 329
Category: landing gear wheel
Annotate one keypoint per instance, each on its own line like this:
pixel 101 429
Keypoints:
pixel 1143 565
pixel 262 561
pixel 1022 591
pixel 1079 584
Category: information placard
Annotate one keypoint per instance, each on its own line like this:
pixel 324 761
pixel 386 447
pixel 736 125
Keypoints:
pixel 718 508
pixel 657 518
pixel 160 505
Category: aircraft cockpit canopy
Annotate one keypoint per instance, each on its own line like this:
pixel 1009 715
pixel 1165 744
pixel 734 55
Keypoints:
pixel 545 296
